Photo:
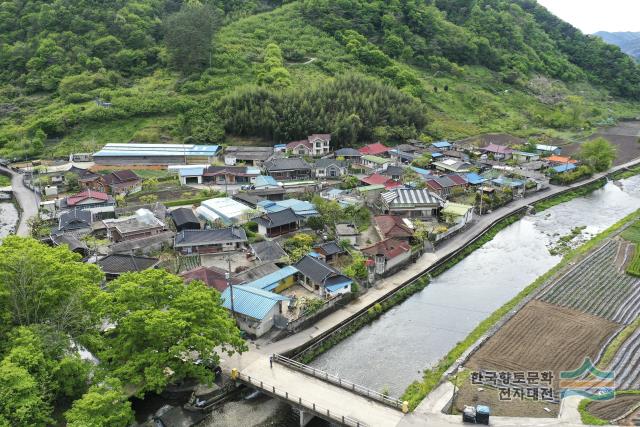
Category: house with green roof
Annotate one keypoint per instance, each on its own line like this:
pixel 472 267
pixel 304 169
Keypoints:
pixel 374 162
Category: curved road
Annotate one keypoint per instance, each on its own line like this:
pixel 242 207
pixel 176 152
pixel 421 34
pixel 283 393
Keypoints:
pixel 27 199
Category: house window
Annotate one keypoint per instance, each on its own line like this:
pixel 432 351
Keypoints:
pixel 332 173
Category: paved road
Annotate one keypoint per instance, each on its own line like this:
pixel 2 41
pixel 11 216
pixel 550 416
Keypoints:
pixel 26 198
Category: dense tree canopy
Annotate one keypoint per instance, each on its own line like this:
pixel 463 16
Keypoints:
pixel 165 330
pixel 598 154
pixel 351 108
pixel 51 304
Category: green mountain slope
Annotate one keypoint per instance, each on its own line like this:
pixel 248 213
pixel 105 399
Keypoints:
pixel 363 70
pixel 628 42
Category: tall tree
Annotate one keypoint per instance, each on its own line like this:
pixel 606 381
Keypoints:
pixel 188 35
pixel 598 154
pixel 43 285
pixel 165 330
pixel 104 405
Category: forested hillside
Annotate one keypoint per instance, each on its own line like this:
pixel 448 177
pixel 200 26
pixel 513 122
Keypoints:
pixel 628 42
pixel 75 74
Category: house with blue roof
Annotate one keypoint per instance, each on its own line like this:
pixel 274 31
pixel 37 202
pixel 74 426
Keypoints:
pixel 441 145
pixel 265 182
pixel 300 207
pixel 564 168
pixel 254 308
pixel 475 179
pixel 277 281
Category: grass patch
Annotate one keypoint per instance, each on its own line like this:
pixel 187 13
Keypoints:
pixel 634 265
pixel 628 173
pixel 589 419
pixel 418 390
pixel 183 202
pixel 632 234
pixel 569 195
pixel 5 181
pixel 614 346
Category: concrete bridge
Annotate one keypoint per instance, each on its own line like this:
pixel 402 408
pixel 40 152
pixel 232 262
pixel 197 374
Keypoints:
pixel 316 393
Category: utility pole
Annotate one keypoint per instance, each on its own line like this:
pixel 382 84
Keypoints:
pixel 227 276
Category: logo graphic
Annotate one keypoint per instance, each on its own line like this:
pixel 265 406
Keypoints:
pixel 588 381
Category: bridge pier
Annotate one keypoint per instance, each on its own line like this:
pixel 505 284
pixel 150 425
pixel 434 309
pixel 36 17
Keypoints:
pixel 305 418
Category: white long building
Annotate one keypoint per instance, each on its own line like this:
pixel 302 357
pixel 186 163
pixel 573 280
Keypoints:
pixel 156 154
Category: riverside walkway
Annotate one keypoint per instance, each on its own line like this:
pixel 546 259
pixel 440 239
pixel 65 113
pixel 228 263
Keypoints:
pixel 27 199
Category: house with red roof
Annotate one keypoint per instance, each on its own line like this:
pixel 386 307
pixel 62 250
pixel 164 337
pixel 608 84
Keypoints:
pixel 444 185
pixel 87 199
pixel 376 149
pixel 393 226
pixel 213 277
pixel 315 145
pixel 387 256
pixel 377 179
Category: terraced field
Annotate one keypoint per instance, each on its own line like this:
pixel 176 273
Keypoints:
pixel 598 285
pixel 626 363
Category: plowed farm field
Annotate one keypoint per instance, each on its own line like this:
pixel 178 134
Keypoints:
pixel 544 337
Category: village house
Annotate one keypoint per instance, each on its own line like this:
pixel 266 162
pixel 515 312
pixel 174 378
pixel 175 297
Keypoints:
pixel 441 145
pixel 393 226
pixel 155 154
pixel 452 166
pixel 380 179
pixel 457 213
pixel 120 183
pixel 273 224
pixel 213 277
pixel 301 208
pixel 320 277
pixel 72 242
pixel 499 152
pixel 75 221
pixel 328 252
pixel 142 224
pixel 218 175
pixel 347 232
pixel 374 162
pixel 525 157
pixel 350 155
pixel 253 156
pixel 288 169
pixel 329 168
pixel 99 203
pixel 268 250
pixel 226 211
pixel 411 203
pixel 548 149
pixel 213 241
pixel 277 281
pixel 254 309
pixel 387 256
pixel 404 157
pixel 184 219
pixel 394 172
pixel 315 145
pixel 376 149
pixel 445 185
pixel 86 179
pixel 116 264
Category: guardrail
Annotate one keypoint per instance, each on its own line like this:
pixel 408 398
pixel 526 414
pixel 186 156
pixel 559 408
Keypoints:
pixel 306 405
pixel 336 380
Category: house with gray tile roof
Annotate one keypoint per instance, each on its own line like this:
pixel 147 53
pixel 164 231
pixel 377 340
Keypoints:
pixel 211 241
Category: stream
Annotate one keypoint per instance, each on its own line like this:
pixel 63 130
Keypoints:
pixel 393 351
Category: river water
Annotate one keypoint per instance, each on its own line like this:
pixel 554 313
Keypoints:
pixel 393 351
pixel 8 219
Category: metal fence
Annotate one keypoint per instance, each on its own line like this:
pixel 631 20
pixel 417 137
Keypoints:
pixel 334 379
pixel 306 405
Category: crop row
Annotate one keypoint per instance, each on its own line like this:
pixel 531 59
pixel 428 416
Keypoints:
pixel 598 287
pixel 634 266
pixel 626 363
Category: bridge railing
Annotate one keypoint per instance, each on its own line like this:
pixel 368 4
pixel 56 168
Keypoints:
pixel 336 380
pixel 306 405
